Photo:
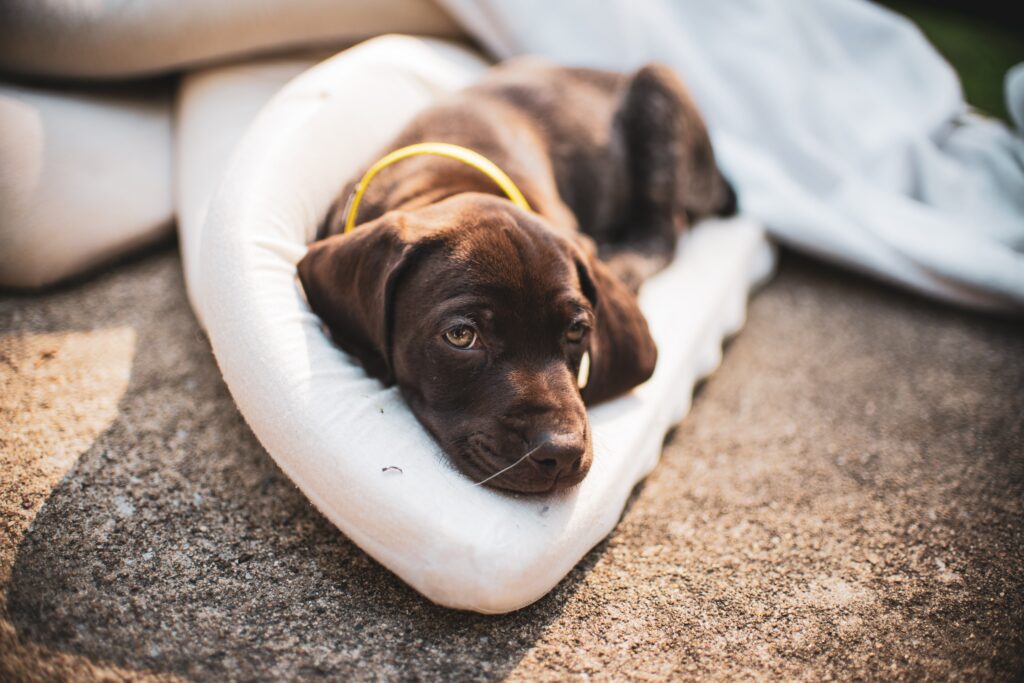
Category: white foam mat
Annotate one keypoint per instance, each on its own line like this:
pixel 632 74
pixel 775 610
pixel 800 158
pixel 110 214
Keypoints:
pixel 351 445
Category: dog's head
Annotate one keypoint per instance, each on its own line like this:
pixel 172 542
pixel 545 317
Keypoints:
pixel 483 316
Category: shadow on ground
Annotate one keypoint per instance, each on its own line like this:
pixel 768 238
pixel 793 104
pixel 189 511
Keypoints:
pixel 177 545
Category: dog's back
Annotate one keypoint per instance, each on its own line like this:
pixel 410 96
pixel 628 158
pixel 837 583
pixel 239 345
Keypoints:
pixel 624 158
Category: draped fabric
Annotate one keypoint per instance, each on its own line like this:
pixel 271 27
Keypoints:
pixel 844 131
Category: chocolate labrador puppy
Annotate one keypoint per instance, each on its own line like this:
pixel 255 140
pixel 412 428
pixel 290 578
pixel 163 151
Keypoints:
pixel 482 312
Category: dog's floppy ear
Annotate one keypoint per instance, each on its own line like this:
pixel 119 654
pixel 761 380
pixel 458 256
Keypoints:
pixel 622 352
pixel 350 280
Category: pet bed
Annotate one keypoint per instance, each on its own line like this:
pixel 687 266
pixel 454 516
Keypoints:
pixel 214 108
pixel 351 445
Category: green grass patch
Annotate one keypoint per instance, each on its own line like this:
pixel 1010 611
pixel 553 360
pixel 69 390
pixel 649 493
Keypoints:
pixel 981 51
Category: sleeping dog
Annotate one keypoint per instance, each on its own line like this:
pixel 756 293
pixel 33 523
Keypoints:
pixel 499 322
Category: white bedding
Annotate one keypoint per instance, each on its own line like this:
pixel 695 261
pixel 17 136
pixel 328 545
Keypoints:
pixel 215 107
pixel 337 433
pixel 84 178
pixel 117 39
pixel 841 126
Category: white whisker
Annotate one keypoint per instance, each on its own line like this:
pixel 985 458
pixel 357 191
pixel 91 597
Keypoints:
pixel 500 472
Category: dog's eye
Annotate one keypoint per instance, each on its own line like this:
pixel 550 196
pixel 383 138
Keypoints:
pixel 575 332
pixel 461 337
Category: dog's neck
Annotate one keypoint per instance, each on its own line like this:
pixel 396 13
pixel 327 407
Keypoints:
pixel 418 182
pixel 422 181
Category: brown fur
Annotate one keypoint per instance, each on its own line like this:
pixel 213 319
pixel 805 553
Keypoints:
pixel 621 160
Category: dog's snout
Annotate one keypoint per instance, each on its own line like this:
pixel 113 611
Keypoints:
pixel 560 455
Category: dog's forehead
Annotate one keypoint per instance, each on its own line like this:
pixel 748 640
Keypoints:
pixel 500 251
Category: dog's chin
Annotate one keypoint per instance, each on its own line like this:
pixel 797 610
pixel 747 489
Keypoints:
pixel 539 486
pixel 529 482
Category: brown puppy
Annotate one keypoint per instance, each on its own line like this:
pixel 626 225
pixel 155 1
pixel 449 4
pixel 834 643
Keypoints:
pixel 481 311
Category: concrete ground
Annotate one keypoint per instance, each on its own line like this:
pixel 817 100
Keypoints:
pixel 844 501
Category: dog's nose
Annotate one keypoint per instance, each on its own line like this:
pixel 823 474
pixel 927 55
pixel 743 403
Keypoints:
pixel 560 454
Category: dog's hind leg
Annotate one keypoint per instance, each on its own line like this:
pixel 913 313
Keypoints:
pixel 675 180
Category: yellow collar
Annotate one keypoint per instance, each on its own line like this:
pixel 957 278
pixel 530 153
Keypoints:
pixel 444 149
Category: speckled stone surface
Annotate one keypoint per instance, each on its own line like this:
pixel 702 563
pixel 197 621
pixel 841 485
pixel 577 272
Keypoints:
pixel 845 500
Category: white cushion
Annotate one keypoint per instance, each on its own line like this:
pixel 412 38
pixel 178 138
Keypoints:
pixel 83 178
pixel 102 39
pixel 337 433
pixel 215 107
